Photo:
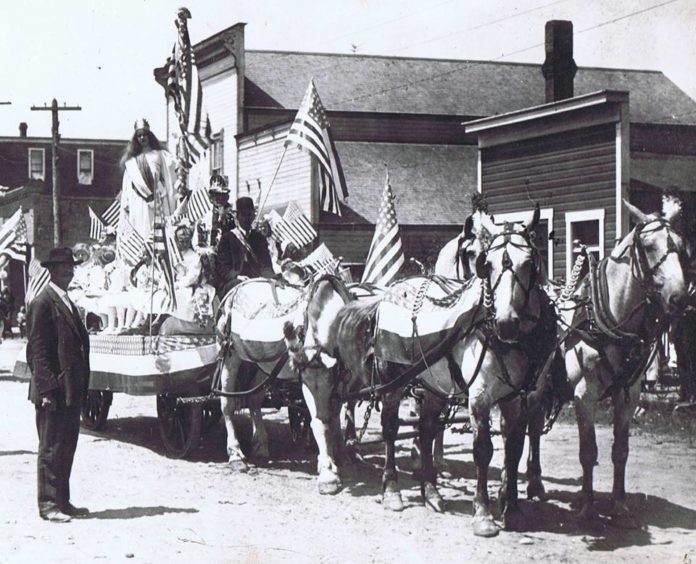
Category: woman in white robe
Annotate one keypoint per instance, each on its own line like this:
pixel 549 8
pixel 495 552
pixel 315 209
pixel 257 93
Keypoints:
pixel 148 190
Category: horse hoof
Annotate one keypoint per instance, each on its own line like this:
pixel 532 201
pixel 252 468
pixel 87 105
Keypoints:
pixel 238 466
pixel 432 498
pixel 536 490
pixel 260 452
pixel 513 519
pixel 392 501
pixel 330 487
pixel 589 517
pixel 485 527
pixel 621 517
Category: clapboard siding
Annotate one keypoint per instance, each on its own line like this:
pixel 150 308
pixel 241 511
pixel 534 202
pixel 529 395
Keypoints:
pixel 570 171
pixel 257 163
pixel 220 95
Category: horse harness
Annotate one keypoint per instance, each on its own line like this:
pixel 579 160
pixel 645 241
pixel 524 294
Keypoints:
pixel 594 323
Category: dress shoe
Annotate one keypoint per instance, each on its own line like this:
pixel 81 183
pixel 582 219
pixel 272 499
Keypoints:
pixel 55 516
pixel 73 511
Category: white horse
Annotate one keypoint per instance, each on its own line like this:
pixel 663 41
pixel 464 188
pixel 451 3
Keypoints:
pixel 611 323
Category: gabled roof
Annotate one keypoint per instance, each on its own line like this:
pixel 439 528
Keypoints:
pixel 432 184
pixel 444 87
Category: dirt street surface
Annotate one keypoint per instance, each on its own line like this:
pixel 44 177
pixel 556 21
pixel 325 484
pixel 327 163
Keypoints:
pixel 151 509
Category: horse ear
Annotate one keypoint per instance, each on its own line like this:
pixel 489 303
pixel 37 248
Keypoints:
pixel 482 267
pixel 637 214
pixel 469 227
pixel 531 226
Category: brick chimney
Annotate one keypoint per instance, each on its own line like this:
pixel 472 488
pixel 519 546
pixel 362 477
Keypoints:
pixel 559 68
pixel 22 129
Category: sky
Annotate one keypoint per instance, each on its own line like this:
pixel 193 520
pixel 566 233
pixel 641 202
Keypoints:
pixel 100 55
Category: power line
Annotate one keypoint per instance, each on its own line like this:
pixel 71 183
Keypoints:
pixel 459 69
pixel 482 25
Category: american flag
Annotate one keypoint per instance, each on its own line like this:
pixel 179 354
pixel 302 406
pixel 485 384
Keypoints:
pixel 130 244
pixel 294 227
pixel 198 205
pixel 38 278
pixel 310 132
pixel 96 225
pixel 112 213
pixel 185 90
pixel 386 253
pixel 13 237
pixel 163 244
pixel 321 261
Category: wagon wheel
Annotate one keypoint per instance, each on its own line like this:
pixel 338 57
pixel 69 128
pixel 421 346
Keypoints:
pixel 179 424
pixel 211 414
pixel 96 409
pixel 299 419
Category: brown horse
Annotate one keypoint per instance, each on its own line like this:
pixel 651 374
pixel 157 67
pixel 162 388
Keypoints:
pixel 610 325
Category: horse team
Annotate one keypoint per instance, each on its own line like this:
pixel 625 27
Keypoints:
pixel 482 332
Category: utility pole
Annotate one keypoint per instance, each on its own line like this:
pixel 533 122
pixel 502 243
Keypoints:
pixel 55 138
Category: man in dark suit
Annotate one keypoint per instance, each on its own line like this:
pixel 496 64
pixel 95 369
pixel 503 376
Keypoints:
pixel 58 356
pixel 242 251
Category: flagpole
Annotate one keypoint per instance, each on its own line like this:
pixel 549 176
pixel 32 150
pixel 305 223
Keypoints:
pixel 275 174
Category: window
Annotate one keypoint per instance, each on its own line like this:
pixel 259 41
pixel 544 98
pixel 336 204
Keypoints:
pixel 584 228
pixel 85 166
pixel 37 164
pixel 541 233
pixel 217 163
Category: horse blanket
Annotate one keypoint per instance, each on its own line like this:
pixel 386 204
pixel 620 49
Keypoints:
pixel 418 314
pixel 259 308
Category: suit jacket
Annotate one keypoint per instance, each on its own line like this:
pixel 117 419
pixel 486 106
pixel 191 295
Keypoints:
pixel 235 259
pixel 57 350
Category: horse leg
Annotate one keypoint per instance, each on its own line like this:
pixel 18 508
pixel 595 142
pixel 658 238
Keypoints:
pixel 236 458
pixel 620 514
pixel 350 435
pixel 514 426
pixel 430 428
pixel 317 396
pixel 535 487
pixel 259 436
pixel 584 413
pixel 483 523
pixel 391 496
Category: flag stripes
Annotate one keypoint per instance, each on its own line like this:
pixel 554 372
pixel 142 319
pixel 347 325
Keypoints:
pixel 321 261
pixel 198 204
pixel 310 132
pixel 294 227
pixel 96 225
pixel 386 255
pixel 130 244
pixel 112 213
pixel 38 279
pixel 13 237
pixel 163 246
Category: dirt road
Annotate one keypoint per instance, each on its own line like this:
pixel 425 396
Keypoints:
pixel 148 508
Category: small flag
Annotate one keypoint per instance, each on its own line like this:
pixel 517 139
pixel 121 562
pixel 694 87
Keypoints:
pixel 130 244
pixel 96 225
pixel 198 204
pixel 111 214
pixel 321 261
pixel 311 132
pixel 38 279
pixel 386 253
pixel 13 237
pixel 163 246
pixel 294 227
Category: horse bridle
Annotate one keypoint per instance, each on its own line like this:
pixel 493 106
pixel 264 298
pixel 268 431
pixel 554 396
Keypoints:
pixel 508 265
pixel 641 268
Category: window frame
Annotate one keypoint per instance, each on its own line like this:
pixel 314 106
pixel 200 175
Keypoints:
pixel 217 147
pixel 91 173
pixel 598 214
pixel 30 150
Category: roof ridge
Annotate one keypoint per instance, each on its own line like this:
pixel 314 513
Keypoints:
pixel 435 59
